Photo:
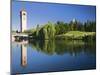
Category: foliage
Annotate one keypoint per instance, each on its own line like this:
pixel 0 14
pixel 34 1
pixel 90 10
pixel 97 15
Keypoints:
pixel 45 32
pixel 73 29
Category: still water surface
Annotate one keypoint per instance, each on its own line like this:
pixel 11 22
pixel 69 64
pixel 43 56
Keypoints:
pixel 47 56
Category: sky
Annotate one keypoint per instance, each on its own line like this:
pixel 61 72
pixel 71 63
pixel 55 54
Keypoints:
pixel 41 13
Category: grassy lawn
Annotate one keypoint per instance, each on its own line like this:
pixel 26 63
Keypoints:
pixel 76 35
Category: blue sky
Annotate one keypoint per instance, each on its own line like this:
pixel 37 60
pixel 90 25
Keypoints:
pixel 41 13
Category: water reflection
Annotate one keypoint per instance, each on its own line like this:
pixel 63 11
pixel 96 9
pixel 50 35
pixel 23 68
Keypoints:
pixel 23 55
pixel 52 55
pixel 61 47
pixel 23 48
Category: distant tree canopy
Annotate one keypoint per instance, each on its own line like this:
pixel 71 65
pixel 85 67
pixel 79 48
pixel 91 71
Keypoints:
pixel 90 26
pixel 49 30
pixel 62 27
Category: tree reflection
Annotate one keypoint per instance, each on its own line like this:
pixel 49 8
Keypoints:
pixel 73 47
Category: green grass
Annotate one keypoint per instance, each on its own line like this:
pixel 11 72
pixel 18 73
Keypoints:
pixel 77 35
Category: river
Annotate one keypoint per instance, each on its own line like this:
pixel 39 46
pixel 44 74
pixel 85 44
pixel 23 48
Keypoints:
pixel 52 55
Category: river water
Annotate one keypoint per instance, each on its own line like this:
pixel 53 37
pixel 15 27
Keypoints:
pixel 52 55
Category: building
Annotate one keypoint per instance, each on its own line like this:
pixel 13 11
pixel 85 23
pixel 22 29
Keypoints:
pixel 23 20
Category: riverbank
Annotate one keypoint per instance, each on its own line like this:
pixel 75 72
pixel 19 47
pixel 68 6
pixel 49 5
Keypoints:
pixel 77 35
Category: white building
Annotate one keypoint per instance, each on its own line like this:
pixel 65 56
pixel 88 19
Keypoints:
pixel 23 20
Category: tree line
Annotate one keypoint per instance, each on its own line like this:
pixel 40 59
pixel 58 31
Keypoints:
pixel 61 27
pixel 50 30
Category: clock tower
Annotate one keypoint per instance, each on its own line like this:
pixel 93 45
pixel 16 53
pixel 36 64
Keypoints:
pixel 23 20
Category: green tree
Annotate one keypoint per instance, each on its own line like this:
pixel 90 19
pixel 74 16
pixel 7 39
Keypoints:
pixel 37 31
